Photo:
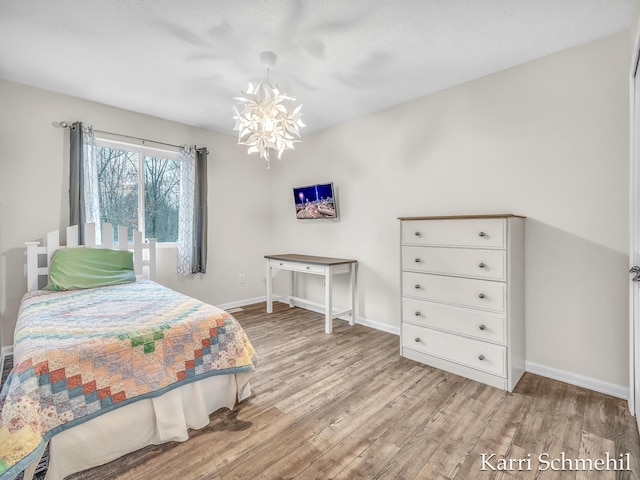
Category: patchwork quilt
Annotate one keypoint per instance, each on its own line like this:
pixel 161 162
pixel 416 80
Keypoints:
pixel 81 353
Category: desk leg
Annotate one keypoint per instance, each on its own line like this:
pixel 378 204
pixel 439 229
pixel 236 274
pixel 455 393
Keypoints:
pixel 352 293
pixel 328 305
pixel 269 289
pixel 292 290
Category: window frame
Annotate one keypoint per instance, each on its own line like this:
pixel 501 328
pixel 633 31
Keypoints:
pixel 143 151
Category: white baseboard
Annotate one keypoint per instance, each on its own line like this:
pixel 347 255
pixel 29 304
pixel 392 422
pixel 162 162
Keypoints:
pixel 7 350
pixel 242 303
pixel 359 320
pixel 378 326
pixel 578 380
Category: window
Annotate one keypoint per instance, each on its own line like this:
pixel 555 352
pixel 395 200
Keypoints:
pixel 147 201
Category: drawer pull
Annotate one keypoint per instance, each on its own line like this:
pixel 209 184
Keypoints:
pixel 308 268
pixel 482 265
pixel 482 327
pixel 481 357
pixel 482 295
pixel 418 287
pixel 482 234
pixel 418 260
pixel 281 263
pixel 418 234
pixel 418 314
pixel 417 339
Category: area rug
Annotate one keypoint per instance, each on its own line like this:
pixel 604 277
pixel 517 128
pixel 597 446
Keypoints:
pixel 41 470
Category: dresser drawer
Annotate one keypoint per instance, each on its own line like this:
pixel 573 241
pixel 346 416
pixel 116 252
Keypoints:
pixel 476 232
pixel 295 266
pixel 467 292
pixel 464 321
pixel 482 356
pixel 464 262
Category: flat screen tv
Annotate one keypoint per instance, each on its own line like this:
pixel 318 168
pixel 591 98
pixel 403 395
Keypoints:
pixel 315 202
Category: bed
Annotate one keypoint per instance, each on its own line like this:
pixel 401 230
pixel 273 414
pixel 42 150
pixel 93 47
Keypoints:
pixel 104 369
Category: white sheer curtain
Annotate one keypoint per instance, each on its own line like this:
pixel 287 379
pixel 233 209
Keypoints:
pixel 187 198
pixel 91 189
pixel 84 201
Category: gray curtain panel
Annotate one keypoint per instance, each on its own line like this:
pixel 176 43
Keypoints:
pixel 77 214
pixel 200 212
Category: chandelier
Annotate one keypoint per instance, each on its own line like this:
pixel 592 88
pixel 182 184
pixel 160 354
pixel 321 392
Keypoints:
pixel 267 119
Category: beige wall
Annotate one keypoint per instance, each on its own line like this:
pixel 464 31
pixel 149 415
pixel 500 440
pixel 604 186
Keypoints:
pixel 34 194
pixel 635 21
pixel 548 140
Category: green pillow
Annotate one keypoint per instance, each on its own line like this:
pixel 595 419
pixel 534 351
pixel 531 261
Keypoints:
pixel 80 267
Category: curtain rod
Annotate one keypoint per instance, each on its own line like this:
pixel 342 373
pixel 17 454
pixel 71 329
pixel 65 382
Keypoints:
pixel 68 125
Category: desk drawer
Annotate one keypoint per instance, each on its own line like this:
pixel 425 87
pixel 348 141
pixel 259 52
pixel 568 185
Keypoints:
pixel 467 292
pixel 464 321
pixel 297 267
pixel 464 262
pixel 477 232
pixel 486 357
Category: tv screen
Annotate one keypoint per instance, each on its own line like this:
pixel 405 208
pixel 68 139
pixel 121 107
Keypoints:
pixel 315 201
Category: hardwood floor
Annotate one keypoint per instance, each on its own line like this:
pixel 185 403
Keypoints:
pixel 347 406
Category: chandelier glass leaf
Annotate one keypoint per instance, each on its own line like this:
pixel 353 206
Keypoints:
pixel 267 119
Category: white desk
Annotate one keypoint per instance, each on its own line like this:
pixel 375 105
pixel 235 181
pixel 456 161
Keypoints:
pixel 316 266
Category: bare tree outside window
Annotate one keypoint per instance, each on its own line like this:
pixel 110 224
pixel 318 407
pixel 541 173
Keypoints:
pixel 161 198
pixel 119 183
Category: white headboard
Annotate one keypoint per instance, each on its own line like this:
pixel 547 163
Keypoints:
pixel 144 253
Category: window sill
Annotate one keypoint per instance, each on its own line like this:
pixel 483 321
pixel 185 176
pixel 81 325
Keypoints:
pixel 166 245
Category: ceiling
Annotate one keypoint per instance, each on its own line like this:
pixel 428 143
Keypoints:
pixel 185 60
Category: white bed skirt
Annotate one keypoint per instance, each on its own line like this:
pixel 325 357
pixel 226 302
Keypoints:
pixel 137 425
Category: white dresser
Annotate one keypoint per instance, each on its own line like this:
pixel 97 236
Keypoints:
pixel 463 295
